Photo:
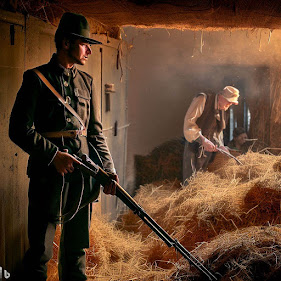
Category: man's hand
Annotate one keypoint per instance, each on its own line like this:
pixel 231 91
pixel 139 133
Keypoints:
pixel 110 188
pixel 224 148
pixel 208 145
pixel 63 162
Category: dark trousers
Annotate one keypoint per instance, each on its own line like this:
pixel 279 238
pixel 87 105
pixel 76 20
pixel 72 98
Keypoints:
pixel 41 231
pixel 194 160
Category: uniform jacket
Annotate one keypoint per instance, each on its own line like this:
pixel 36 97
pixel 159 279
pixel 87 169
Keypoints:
pixel 37 110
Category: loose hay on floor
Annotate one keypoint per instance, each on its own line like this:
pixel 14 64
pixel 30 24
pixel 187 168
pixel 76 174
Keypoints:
pixel 249 254
pixel 113 255
pixel 213 203
pixel 210 212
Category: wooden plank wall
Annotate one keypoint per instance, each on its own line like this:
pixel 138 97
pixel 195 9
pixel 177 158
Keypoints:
pixel 13 183
pixel 34 45
pixel 102 66
pixel 113 71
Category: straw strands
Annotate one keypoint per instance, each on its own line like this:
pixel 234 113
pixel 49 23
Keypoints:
pixel 232 198
pixel 249 254
pixel 228 218
pixel 113 255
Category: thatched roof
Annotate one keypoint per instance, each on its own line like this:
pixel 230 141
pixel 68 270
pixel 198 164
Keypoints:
pixel 193 14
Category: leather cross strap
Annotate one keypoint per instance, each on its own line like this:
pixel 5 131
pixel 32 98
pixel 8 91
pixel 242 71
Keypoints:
pixel 60 98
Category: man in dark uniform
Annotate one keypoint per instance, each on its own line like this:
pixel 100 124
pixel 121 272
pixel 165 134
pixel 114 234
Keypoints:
pixel 203 128
pixel 44 128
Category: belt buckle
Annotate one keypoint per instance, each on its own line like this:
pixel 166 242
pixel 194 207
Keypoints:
pixel 74 134
pixel 82 133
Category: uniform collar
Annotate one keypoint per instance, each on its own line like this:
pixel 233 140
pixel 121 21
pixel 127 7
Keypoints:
pixel 59 69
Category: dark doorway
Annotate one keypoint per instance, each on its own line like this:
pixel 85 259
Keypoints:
pixel 253 111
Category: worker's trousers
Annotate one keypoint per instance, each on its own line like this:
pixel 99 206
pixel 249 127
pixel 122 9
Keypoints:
pixel 194 160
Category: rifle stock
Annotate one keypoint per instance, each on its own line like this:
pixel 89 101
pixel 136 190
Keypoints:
pixel 95 171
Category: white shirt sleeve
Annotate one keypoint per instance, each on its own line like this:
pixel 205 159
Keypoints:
pixel 190 128
pixel 219 138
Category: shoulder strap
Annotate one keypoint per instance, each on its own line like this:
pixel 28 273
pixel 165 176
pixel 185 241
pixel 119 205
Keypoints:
pixel 60 98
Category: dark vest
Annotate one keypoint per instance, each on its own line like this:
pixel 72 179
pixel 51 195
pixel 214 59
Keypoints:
pixel 207 122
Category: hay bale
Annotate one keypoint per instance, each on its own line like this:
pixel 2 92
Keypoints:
pixel 163 162
pixel 214 208
pixel 233 198
pixel 249 254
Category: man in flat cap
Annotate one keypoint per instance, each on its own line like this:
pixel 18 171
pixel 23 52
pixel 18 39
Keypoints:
pixel 50 131
pixel 204 123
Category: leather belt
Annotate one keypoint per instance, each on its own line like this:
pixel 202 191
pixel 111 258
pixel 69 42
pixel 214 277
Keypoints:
pixel 66 134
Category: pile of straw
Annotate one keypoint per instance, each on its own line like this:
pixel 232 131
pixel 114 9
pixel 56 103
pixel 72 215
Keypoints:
pixel 212 203
pixel 249 254
pixel 222 217
pixel 113 255
pixel 163 162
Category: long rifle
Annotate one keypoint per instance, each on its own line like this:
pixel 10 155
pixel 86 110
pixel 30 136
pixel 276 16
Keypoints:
pixel 229 155
pixel 88 166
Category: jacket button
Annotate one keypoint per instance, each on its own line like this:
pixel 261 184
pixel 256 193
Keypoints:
pixel 68 120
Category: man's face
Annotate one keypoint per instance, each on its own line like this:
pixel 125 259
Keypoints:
pixel 241 139
pixel 79 51
pixel 223 104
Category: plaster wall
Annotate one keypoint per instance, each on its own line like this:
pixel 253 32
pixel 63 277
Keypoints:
pixel 168 67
